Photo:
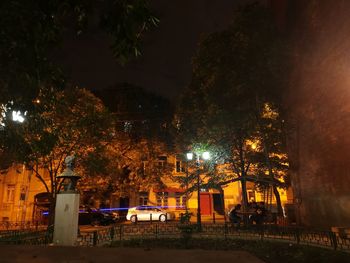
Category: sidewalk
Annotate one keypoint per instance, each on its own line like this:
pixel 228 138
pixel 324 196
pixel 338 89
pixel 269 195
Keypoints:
pixel 36 254
pixel 210 218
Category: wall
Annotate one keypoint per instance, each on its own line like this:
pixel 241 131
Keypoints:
pixel 22 210
pixel 19 208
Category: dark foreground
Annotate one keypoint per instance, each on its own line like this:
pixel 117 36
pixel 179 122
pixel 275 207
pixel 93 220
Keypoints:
pixel 31 254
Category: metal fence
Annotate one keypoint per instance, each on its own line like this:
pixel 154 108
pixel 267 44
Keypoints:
pixel 26 237
pixel 295 235
pixel 39 235
pixel 21 225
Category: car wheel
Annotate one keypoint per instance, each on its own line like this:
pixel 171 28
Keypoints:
pixel 162 218
pixel 133 219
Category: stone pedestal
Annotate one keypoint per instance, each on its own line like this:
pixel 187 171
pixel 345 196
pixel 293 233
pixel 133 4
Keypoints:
pixel 66 219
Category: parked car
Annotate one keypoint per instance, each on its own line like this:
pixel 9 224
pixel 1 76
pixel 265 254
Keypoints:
pixel 148 213
pixel 94 217
pixel 120 214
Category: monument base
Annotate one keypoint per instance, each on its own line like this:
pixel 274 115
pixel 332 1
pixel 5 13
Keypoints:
pixel 66 219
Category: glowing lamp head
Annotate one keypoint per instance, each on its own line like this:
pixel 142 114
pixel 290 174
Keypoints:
pixel 189 156
pixel 17 116
pixel 206 155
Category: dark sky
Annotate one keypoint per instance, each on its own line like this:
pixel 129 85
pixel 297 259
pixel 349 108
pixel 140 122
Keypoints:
pixel 165 67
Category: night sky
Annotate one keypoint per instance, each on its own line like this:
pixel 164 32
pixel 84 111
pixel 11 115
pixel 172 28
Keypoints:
pixel 165 67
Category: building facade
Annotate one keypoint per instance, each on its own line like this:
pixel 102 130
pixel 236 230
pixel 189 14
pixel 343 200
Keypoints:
pixel 19 192
pixel 23 196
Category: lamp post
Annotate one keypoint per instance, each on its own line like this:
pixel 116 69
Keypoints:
pixel 205 156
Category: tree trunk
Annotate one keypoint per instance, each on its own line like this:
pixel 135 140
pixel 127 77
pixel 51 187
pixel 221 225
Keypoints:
pixel 244 199
pixel 222 201
pixel 274 187
pixel 244 184
pixel 278 201
pixel 244 194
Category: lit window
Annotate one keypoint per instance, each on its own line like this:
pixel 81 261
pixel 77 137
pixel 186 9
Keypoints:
pixel 127 126
pixel 179 166
pixel 162 161
pixel 143 200
pixel 10 193
pixel 180 200
pixel 184 201
pixel 251 196
pixel 162 199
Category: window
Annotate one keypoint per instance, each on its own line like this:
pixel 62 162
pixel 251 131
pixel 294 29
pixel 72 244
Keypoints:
pixel 143 200
pixel 179 165
pixel 22 196
pixel 162 199
pixel 10 193
pixel 180 168
pixel 184 200
pixel 180 200
pixel 127 126
pixel 251 196
pixel 162 161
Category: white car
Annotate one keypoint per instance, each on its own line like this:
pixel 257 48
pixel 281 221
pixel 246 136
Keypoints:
pixel 148 213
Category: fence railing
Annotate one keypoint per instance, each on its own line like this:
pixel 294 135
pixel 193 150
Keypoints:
pixel 26 237
pixel 296 235
pixel 39 235
pixel 21 225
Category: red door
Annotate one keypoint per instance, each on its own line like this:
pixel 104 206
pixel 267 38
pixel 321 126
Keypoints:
pixel 205 203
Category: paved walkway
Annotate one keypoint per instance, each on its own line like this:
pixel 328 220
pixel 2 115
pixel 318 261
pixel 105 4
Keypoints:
pixel 36 254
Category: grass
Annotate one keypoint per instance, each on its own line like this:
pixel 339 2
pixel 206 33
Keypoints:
pixel 270 252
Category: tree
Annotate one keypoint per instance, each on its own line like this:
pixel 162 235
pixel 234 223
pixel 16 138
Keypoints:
pixel 274 163
pixel 31 30
pixel 62 123
pixel 236 72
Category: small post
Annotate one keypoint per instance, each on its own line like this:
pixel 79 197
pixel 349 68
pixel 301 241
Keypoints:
pixel 297 235
pixel 121 232
pixel 150 217
pixel 157 230
pixel 95 238
pixel 333 238
pixel 261 230
pixel 112 232
pixel 213 218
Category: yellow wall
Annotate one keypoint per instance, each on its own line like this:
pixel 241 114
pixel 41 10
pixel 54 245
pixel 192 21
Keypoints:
pixel 17 209
pixel 23 180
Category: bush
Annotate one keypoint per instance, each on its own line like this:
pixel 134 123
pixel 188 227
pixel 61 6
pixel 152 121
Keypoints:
pixel 185 217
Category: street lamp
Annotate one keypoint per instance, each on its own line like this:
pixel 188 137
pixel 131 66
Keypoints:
pixel 205 156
